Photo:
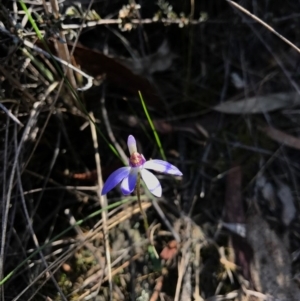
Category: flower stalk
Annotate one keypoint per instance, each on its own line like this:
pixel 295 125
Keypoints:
pixel 138 193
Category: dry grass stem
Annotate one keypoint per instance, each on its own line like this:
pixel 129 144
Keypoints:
pixel 220 81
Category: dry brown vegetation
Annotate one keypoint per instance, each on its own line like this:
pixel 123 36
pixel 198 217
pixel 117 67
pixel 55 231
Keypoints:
pixel 220 82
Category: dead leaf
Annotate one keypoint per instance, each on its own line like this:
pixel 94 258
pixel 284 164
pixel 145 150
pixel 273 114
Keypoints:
pixel 169 251
pixel 288 207
pixel 90 176
pixel 281 137
pixel 157 288
pixel 235 216
pixel 96 64
pixel 259 104
pixel 272 191
pixel 271 268
pixel 266 190
pixel 237 81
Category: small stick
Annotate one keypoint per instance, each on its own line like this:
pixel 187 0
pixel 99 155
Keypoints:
pixel 245 11
pixel 103 202
pixel 10 115
pixel 62 48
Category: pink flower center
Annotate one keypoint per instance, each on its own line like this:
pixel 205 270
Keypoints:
pixel 136 160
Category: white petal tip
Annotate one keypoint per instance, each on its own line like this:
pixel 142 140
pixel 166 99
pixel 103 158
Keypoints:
pixel 131 144
pixel 157 192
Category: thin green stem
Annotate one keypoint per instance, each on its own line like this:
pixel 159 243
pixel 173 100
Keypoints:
pixel 138 193
pixel 31 20
pixel 161 150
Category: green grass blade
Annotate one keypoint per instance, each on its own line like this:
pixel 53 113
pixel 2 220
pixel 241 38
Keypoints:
pixel 161 150
pixel 31 20
pixel 45 71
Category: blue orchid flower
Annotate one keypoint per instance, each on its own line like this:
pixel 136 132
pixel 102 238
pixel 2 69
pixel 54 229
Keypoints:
pixel 138 165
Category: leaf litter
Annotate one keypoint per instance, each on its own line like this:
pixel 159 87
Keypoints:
pixel 226 231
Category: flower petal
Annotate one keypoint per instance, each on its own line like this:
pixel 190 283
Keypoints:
pixel 163 166
pixel 128 184
pixel 131 144
pixel 151 182
pixel 115 178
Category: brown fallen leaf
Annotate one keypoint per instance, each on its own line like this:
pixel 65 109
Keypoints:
pixel 234 215
pixel 157 288
pixel 96 64
pixel 281 137
pixel 170 250
pixel 90 176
